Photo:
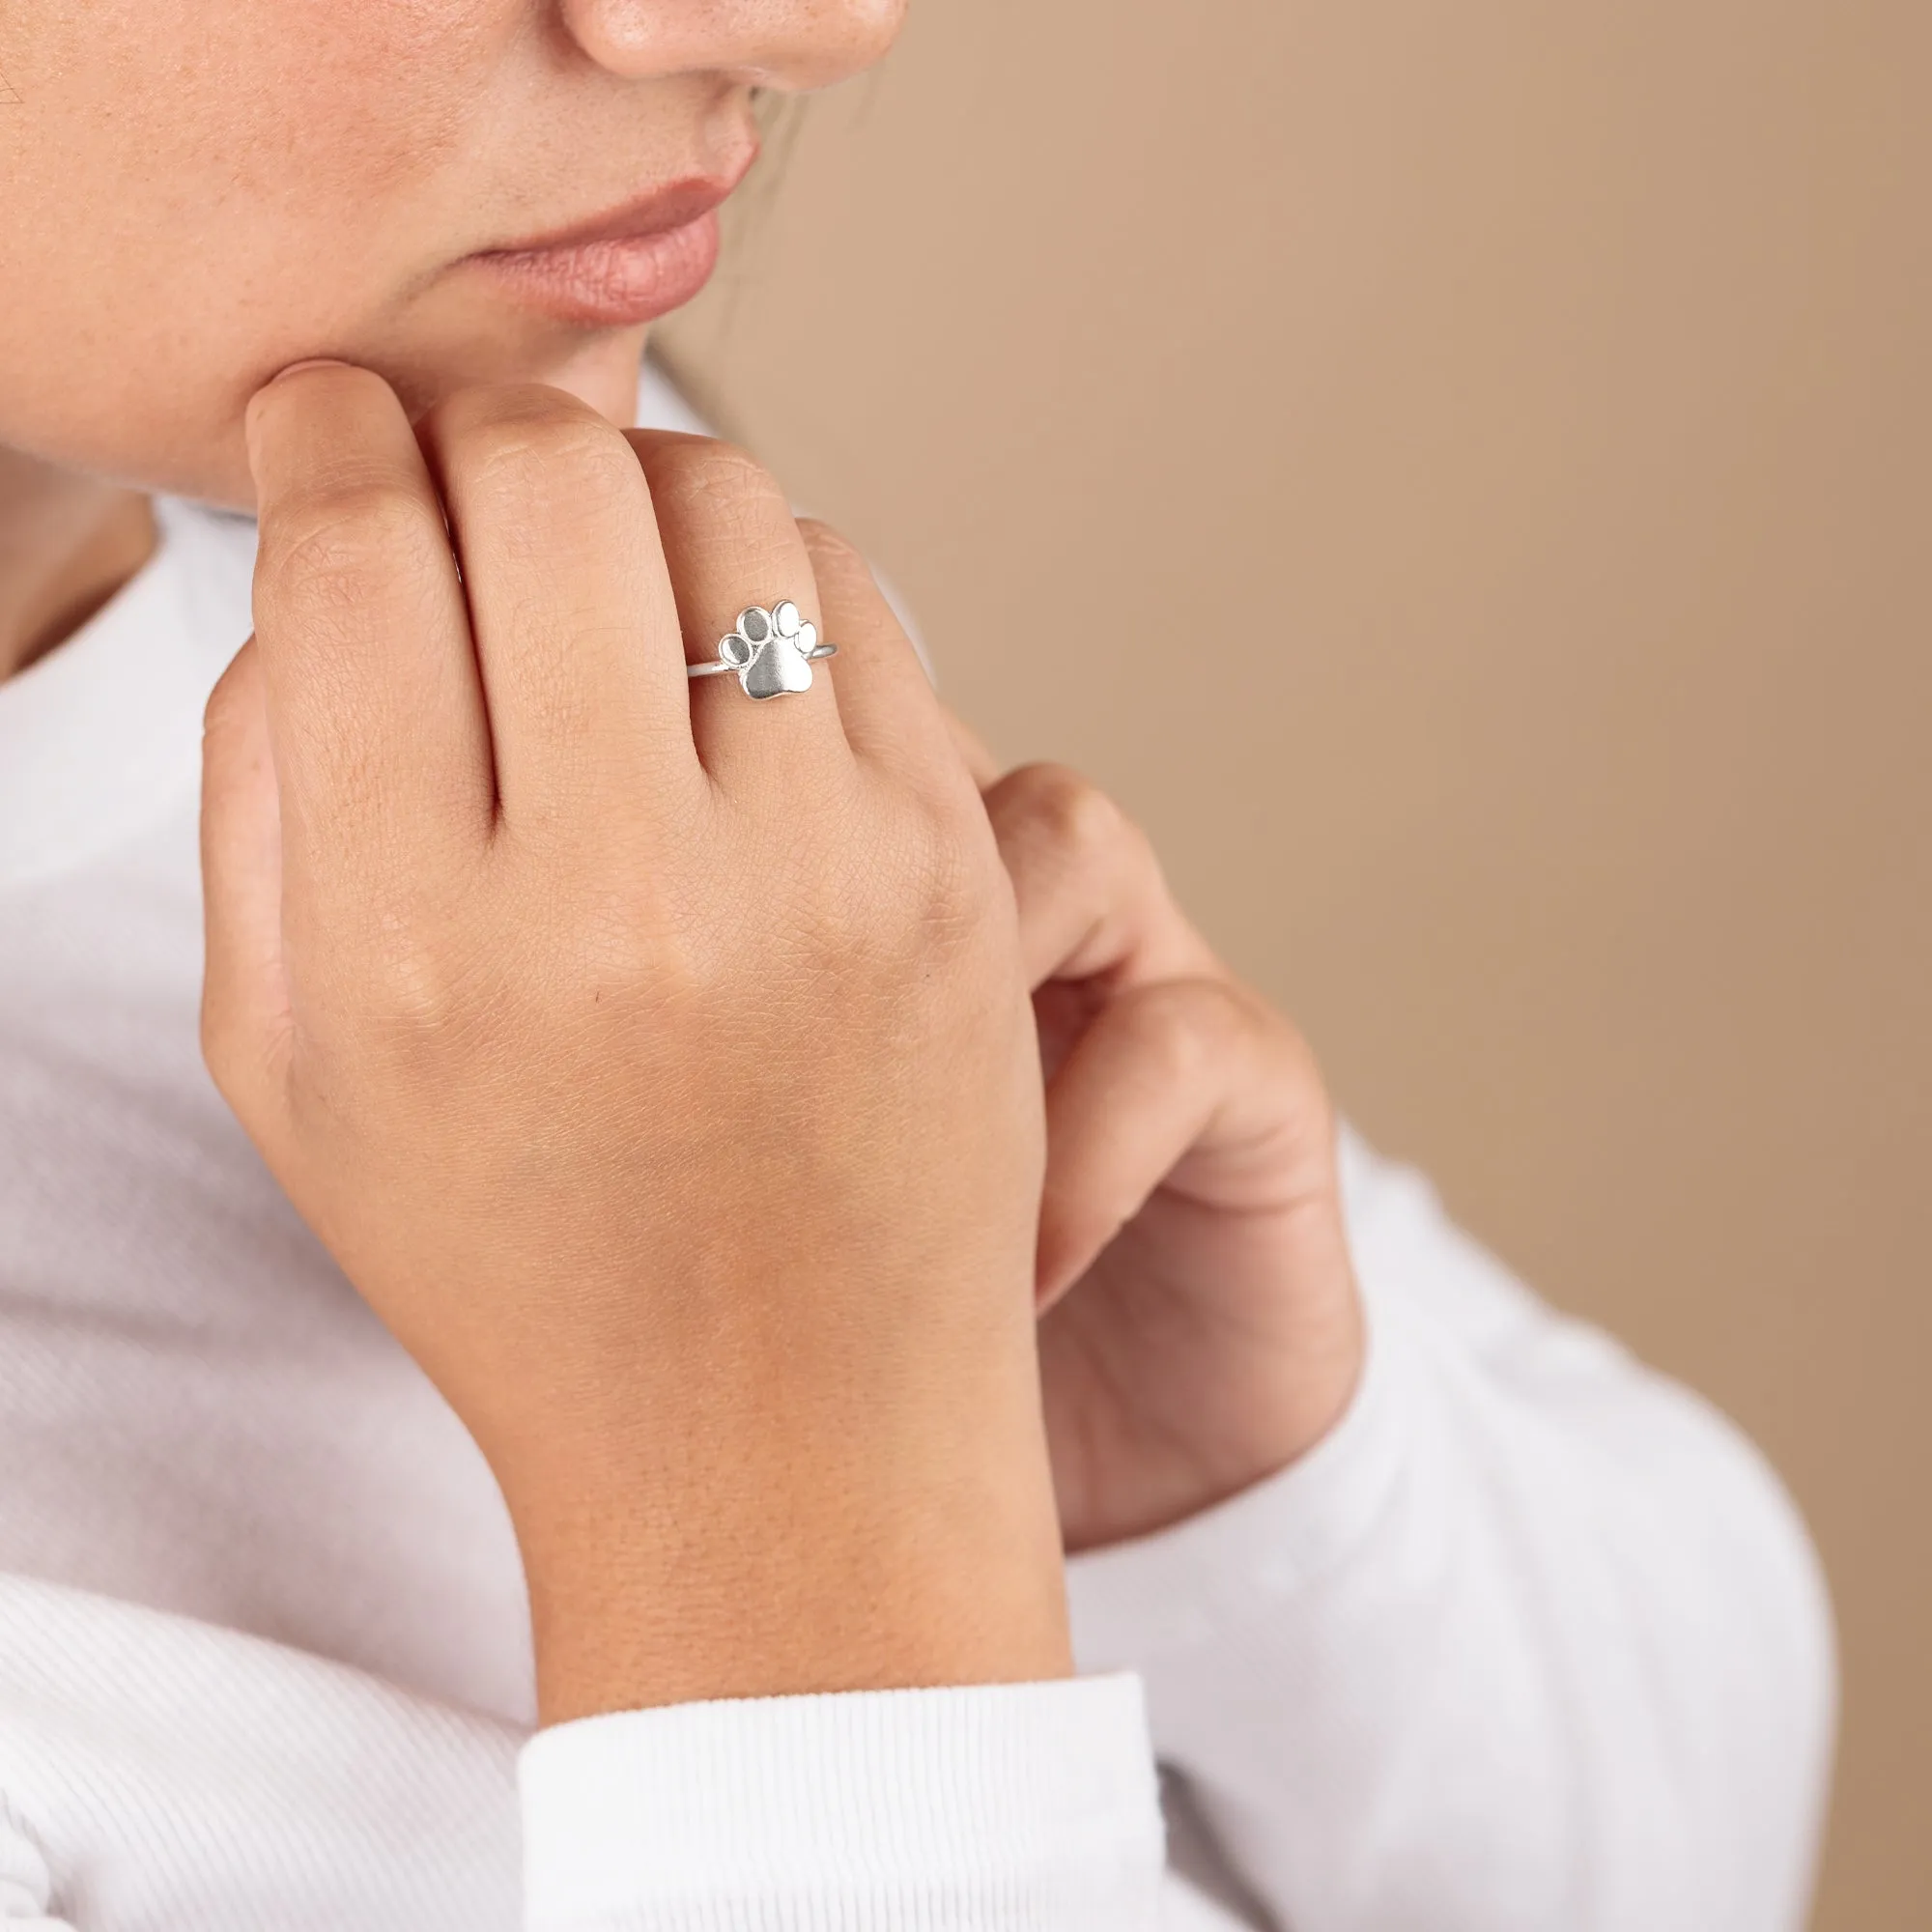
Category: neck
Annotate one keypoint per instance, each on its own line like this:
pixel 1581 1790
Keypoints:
pixel 67 543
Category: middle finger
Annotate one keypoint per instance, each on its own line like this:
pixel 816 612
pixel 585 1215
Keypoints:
pixel 576 626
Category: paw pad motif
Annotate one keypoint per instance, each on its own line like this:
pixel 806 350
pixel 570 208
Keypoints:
pixel 771 650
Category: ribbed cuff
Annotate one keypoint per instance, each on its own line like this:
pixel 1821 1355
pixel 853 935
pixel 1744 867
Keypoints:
pixel 1028 1807
pixel 1137 1601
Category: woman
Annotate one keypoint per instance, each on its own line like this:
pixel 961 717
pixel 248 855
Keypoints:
pixel 658 1065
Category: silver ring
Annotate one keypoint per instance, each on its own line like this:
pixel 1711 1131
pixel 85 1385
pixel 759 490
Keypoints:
pixel 772 651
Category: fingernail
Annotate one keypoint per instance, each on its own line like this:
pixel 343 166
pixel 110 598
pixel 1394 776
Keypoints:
pixel 307 362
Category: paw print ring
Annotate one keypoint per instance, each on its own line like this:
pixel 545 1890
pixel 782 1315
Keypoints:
pixel 772 651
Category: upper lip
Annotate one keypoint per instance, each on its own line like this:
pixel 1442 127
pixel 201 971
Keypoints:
pixel 674 205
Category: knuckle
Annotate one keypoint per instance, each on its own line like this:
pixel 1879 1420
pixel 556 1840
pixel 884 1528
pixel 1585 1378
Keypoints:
pixel 408 987
pixel 636 943
pixel 533 455
pixel 842 911
pixel 1067 813
pixel 709 467
pixel 832 550
pixel 954 897
pixel 398 972
pixel 1189 1026
pixel 965 908
pixel 921 901
pixel 708 482
pixel 348 546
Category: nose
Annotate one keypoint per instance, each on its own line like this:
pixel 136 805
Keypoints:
pixel 789 45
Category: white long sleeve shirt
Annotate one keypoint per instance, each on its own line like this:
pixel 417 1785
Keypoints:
pixel 1531 1643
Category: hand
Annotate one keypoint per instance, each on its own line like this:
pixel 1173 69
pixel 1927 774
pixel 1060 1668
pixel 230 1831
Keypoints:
pixel 1201 1327
pixel 658 1063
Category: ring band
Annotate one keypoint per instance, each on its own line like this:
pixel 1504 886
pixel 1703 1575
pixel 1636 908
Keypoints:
pixel 772 651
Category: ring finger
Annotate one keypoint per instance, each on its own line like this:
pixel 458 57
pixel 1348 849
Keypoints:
pixel 735 553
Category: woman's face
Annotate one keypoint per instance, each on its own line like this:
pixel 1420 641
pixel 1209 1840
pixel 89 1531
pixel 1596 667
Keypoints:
pixel 195 192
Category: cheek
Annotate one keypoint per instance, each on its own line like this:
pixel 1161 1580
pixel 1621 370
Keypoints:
pixel 345 99
pixel 198 190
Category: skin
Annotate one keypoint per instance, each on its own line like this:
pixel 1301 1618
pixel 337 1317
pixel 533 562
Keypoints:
pixel 825 1173
pixel 68 542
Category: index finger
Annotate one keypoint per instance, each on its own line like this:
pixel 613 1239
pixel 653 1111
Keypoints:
pixel 375 714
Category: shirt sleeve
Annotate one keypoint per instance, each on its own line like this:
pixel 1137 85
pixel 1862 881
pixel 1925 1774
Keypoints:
pixel 1532 1639
pixel 1002 1808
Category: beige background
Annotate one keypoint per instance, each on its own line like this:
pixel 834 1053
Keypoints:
pixel 1460 474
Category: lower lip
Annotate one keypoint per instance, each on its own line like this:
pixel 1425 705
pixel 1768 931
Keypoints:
pixel 610 284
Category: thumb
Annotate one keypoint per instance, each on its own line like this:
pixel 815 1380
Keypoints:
pixel 244 990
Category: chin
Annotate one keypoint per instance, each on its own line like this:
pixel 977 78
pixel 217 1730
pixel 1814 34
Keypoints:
pixel 600 369
pixel 184 438
pixel 605 375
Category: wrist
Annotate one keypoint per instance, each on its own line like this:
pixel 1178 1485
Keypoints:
pixel 785 1568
